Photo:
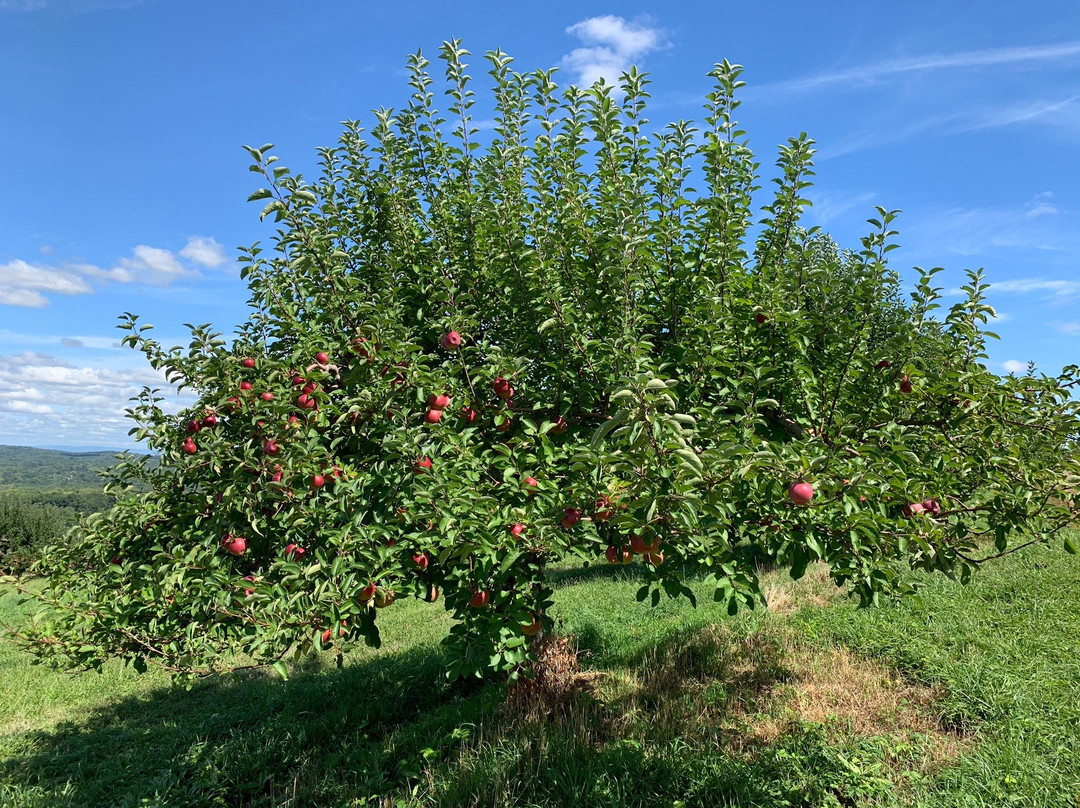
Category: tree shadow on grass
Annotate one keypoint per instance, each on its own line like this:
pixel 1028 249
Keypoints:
pixel 390 730
pixel 247 740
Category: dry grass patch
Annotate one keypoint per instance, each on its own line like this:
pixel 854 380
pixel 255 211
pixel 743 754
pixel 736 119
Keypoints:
pixel 784 596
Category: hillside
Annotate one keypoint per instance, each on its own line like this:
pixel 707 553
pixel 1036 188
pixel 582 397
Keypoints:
pixel 27 468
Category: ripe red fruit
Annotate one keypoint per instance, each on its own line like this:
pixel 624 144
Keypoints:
pixel 209 421
pixel 533 628
pixel 245 385
pixel 602 509
pixel 306 401
pixel 367 593
pixel 248 363
pixel 656 559
pixel 932 507
pixel 193 426
pixel 327 636
pixel 267 396
pixel 322 358
pixel 884 363
pixel 270 446
pixel 450 341
pixel 237 545
pixel 433 416
pixel 639 545
pixel 422 465
pixel 469 414
pixel 359 345
pixel 298 380
pixel 913 508
pixel 560 425
pixel 438 402
pixel 421 560
pixel 570 518
pixel 479 599
pixel 318 481
pixel 190 447
pixel 761 318
pixel 801 493
pixel 530 484
pixel 294 552
pixel 384 598
pixel 505 425
pixel 278 474
pixel 517 530
pixel 905 385
pixel 502 388
pixel 618 555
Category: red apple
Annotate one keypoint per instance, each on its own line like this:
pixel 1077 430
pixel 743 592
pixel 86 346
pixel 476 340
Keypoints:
pixel 194 426
pixel 505 425
pixel 530 484
pixel 322 358
pixel 384 598
pixel 268 396
pixel 639 545
pixel 248 363
pixel 237 545
pixel 294 552
pixel 619 555
pixel 305 401
pixel 469 414
pixel 245 385
pixel 433 416
pixel 190 447
pixel 761 318
pixel 438 402
pixel 298 380
pixel 422 465
pixel 421 560
pixel 318 481
pixel 533 628
pixel 884 363
pixel 327 636
pixel 602 510
pixel 932 507
pixel 517 530
pixel 656 559
pixel 367 593
pixel 278 475
pixel 560 425
pixel 450 341
pixel 249 592
pixel 270 446
pixel 479 599
pixel 209 421
pixel 801 493
pixel 905 385
pixel 360 346
pixel 913 508
pixel 570 518
pixel 502 388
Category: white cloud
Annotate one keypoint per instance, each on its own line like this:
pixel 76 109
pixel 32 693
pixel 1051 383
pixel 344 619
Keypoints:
pixel 18 405
pixel 869 74
pixel 1058 288
pixel 27 285
pixel 205 251
pixel 1014 366
pixel 612 46
pixel 21 5
pixel 22 284
pixel 50 401
pixel 1068 328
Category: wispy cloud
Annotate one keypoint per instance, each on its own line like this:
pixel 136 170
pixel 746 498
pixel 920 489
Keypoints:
pixel 867 75
pixel 1014 366
pixel 1067 328
pixel 28 285
pixel 48 400
pixel 611 46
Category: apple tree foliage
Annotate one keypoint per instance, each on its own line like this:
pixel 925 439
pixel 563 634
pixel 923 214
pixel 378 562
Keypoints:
pixel 645 362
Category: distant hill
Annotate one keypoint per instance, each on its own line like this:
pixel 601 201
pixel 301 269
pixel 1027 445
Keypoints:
pixel 26 468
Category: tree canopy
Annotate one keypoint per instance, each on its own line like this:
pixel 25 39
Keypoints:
pixel 467 358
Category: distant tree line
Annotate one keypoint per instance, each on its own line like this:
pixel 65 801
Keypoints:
pixel 31 519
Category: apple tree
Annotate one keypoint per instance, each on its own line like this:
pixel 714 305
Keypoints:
pixel 472 353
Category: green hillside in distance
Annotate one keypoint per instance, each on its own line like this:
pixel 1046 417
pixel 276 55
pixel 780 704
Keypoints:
pixel 26 468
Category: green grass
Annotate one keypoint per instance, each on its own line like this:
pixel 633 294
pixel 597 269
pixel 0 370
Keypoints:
pixel 675 712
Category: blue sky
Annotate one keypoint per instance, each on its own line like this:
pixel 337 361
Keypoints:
pixel 123 184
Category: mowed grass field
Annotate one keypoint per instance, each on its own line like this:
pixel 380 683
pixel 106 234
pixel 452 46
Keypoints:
pixel 968 696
